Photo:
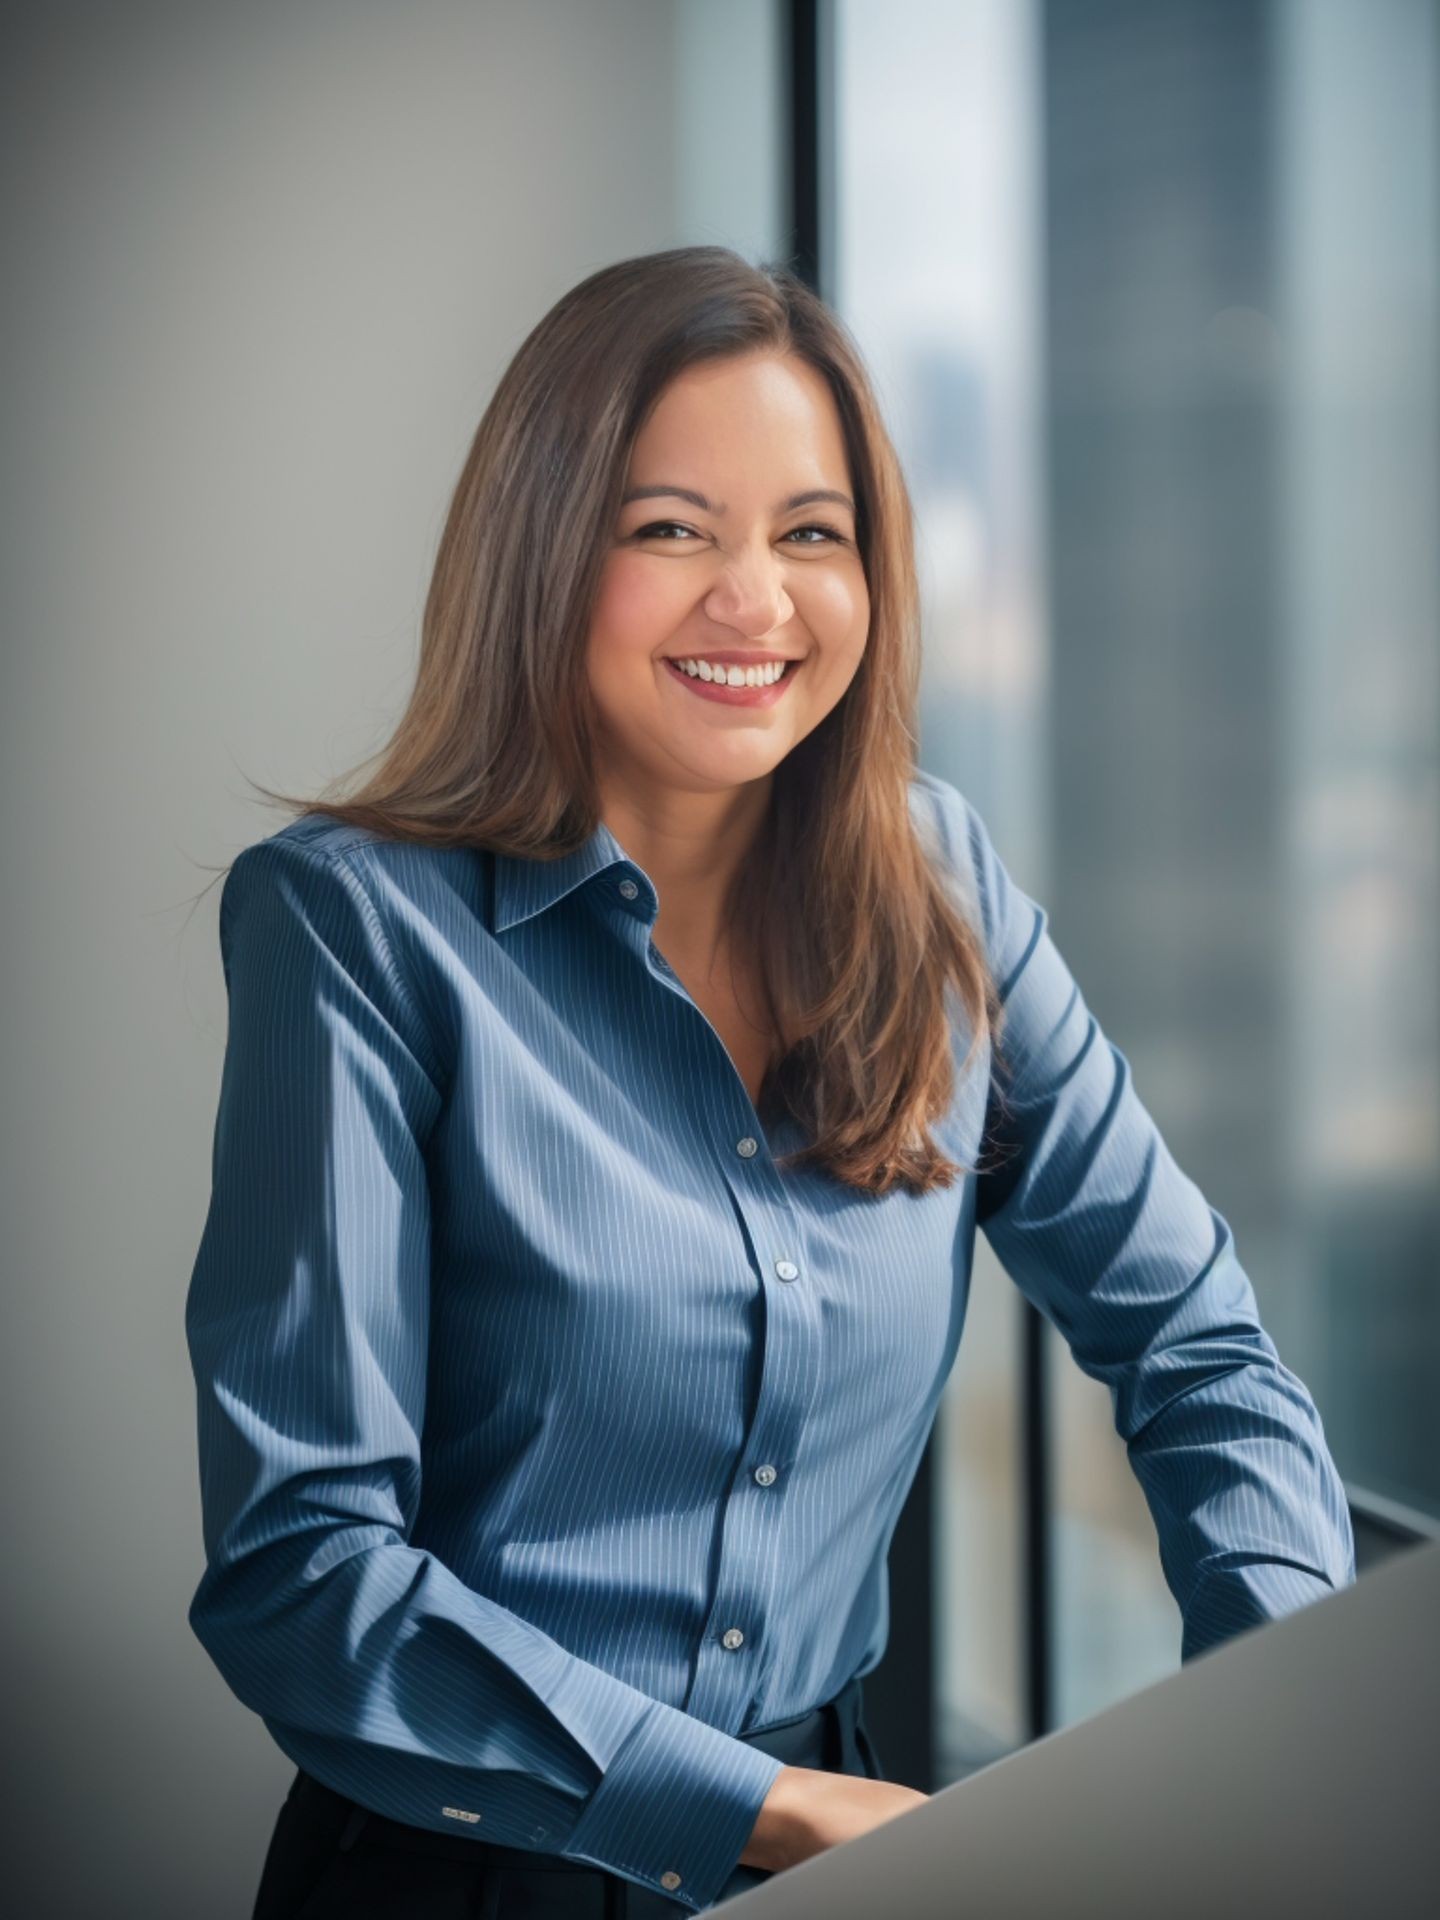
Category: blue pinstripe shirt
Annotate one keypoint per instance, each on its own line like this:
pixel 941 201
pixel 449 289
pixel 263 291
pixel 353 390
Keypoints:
pixel 551 1435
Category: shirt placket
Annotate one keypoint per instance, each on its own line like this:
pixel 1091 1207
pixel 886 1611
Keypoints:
pixel 733 1643
pixel 732 1649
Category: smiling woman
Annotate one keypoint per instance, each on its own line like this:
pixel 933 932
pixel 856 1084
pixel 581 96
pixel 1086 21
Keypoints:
pixel 587 1250
pixel 586 663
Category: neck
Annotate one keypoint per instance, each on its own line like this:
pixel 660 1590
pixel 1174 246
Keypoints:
pixel 691 845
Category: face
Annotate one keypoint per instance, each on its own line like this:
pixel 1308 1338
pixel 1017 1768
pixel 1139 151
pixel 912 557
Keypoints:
pixel 718 564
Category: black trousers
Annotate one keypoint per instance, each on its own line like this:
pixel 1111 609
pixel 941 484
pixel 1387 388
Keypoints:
pixel 330 1857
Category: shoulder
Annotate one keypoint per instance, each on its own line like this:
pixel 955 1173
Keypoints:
pixel 319 898
pixel 1011 922
pixel 956 842
pixel 940 811
pixel 320 857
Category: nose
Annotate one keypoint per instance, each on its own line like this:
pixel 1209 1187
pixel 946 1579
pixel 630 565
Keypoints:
pixel 750 595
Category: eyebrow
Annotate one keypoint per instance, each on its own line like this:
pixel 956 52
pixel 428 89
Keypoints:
pixel 667 492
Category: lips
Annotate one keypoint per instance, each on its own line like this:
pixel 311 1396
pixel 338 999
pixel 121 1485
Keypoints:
pixel 724 694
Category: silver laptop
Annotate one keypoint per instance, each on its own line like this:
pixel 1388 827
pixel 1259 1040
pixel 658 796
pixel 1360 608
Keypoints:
pixel 1294 1770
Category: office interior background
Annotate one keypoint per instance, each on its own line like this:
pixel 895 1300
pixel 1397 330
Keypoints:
pixel 1149 288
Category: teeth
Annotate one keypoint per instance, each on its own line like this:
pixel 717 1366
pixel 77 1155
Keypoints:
pixel 733 676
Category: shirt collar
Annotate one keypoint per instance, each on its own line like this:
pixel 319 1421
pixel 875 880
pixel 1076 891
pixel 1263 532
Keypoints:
pixel 525 887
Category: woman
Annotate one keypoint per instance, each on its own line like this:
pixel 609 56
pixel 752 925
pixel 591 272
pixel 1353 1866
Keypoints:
pixel 614 1085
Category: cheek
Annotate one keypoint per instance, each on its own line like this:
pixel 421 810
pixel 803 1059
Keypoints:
pixel 838 613
pixel 634 609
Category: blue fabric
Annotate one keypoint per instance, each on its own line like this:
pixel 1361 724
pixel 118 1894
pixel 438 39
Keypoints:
pixel 502 1305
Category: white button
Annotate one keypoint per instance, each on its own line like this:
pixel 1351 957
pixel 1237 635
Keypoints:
pixel 732 1638
pixel 747 1146
pixel 765 1475
pixel 670 1879
pixel 787 1270
pixel 629 889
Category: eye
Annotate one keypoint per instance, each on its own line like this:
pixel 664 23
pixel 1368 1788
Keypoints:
pixel 657 528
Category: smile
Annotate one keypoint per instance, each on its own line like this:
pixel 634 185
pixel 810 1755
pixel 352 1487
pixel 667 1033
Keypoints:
pixel 727 695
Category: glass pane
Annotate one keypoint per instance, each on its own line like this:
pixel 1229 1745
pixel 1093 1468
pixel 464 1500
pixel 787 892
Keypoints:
pixel 1241 240
pixel 1151 294
pixel 1358 230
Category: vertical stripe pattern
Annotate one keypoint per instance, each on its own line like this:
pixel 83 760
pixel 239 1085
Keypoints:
pixel 551 1434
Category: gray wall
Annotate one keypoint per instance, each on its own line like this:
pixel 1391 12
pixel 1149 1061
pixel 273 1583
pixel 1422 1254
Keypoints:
pixel 265 263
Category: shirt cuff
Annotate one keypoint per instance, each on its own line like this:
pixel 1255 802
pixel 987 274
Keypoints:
pixel 675 1807
pixel 1235 1599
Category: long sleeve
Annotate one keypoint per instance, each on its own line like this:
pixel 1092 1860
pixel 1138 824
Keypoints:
pixel 374 1667
pixel 1090 1215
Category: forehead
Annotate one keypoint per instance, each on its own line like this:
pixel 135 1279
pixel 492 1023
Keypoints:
pixel 765 408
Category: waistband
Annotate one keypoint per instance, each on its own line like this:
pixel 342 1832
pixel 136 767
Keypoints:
pixel 814 1739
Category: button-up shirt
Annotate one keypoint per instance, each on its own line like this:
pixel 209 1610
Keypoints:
pixel 552 1434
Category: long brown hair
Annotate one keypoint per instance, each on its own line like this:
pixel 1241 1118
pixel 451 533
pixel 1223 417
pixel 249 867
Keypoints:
pixel 859 938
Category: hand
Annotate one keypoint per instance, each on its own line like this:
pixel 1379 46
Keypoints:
pixel 808 1810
